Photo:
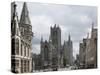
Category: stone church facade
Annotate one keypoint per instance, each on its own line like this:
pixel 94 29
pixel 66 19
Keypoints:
pixel 50 50
pixel 52 53
pixel 55 35
pixel 21 40
pixel 68 52
pixel 46 54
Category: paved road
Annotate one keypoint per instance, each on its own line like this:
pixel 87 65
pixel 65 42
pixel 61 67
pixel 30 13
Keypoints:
pixel 60 69
pixel 64 69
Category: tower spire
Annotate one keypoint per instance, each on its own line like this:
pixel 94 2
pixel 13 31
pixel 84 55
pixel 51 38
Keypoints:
pixel 69 38
pixel 55 26
pixel 41 39
pixel 25 15
pixel 15 9
pixel 14 23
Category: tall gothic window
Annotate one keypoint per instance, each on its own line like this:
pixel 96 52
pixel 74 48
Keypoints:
pixel 24 50
pixel 28 51
pixel 13 46
pixel 21 50
pixel 17 46
pixel 46 52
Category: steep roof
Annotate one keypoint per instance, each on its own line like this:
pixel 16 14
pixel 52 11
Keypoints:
pixel 25 15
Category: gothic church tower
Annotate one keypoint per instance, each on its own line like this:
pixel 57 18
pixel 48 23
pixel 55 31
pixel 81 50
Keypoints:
pixel 21 35
pixel 55 35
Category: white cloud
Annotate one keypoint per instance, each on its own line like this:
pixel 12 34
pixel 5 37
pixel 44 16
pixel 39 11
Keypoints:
pixel 41 22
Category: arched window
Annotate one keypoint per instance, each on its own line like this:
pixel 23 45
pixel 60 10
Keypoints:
pixel 13 46
pixel 21 49
pixel 17 46
pixel 27 51
pixel 24 50
pixel 46 52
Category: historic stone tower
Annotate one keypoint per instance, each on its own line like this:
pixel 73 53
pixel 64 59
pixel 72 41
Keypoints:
pixel 68 52
pixel 55 35
pixel 21 41
pixel 46 54
pixel 91 49
pixel 70 49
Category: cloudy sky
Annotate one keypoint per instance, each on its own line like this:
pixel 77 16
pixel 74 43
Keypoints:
pixel 72 19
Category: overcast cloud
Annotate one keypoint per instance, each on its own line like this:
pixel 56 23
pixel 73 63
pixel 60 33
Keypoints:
pixel 72 19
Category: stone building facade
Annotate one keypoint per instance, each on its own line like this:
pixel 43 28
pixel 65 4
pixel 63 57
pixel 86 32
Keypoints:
pixel 77 62
pixel 21 41
pixel 91 51
pixel 37 61
pixel 55 35
pixel 82 53
pixel 53 55
pixel 68 52
pixel 88 50
pixel 46 54
pixel 50 50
